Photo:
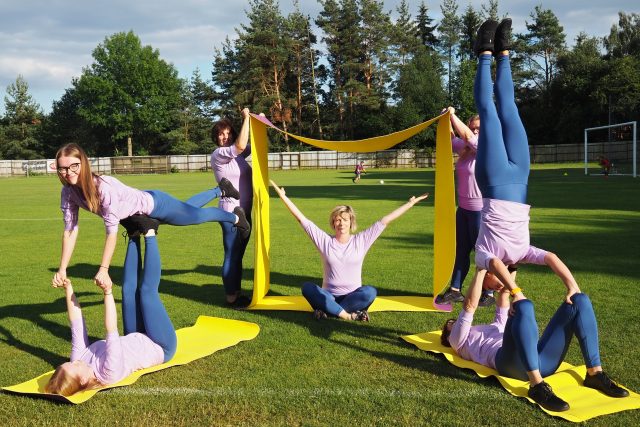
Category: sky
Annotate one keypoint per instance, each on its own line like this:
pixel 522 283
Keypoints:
pixel 49 42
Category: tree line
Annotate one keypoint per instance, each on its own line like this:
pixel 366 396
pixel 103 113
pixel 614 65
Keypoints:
pixel 355 71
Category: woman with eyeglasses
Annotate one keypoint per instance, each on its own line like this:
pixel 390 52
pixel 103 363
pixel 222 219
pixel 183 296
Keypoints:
pixel 469 206
pixel 109 198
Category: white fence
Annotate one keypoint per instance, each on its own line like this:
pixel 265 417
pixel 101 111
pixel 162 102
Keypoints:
pixel 616 152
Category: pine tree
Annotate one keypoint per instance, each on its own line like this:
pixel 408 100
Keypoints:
pixel 426 31
pixel 22 121
pixel 449 37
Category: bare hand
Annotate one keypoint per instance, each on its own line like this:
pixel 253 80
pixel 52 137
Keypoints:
pixel 571 292
pixel 279 190
pixel 102 279
pixel 419 198
pixel 60 279
pixel 245 113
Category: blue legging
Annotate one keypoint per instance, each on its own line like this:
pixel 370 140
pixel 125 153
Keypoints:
pixel 467 227
pixel 321 299
pixel 142 309
pixel 502 162
pixel 205 197
pixel 172 211
pixel 234 247
pixel 521 350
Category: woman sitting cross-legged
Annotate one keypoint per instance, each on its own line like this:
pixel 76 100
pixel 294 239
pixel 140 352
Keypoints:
pixel 342 294
pixel 510 344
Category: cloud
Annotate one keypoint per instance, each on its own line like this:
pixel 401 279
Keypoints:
pixel 50 41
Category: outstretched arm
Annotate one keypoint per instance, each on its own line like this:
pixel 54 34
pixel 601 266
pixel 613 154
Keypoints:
pixel 68 244
pixel 497 267
pixel 474 292
pixel 74 311
pixel 564 273
pixel 102 277
pixel 459 127
pixel 110 313
pixel 288 203
pixel 402 209
pixel 243 136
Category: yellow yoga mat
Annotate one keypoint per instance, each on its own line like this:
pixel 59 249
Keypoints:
pixel 444 227
pixel 208 335
pixel 585 402
pixel 381 303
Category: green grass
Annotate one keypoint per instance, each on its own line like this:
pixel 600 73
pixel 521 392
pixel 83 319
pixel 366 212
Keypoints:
pixel 298 371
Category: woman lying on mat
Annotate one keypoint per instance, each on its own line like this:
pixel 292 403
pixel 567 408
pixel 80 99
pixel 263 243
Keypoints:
pixel 342 294
pixel 502 168
pixel 149 339
pixel 510 344
pixel 113 201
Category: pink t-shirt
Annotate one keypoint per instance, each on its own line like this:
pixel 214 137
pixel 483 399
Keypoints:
pixel 342 262
pixel 504 234
pixel 117 201
pixel 117 356
pixel 478 343
pixel 226 162
pixel 469 195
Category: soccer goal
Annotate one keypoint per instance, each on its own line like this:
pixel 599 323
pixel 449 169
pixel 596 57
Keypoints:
pixel 612 148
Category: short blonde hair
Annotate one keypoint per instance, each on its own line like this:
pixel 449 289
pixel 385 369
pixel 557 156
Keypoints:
pixel 338 211
pixel 66 385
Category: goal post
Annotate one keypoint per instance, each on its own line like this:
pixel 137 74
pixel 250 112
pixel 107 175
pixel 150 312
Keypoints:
pixel 617 152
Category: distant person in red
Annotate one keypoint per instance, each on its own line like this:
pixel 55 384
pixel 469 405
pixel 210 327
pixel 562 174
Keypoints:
pixel 359 171
pixel 605 164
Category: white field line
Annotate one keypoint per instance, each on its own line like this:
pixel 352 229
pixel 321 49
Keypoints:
pixel 299 392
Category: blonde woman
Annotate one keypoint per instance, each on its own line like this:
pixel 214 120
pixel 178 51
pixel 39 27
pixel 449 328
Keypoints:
pixel 342 294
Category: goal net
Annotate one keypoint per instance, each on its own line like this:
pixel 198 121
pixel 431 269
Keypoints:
pixel 611 150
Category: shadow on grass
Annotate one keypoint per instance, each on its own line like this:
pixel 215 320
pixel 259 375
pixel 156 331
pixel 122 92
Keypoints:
pixel 356 335
pixel 36 314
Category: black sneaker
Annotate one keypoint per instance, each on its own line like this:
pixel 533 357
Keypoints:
pixel 544 396
pixel 361 316
pixel 243 226
pixel 450 296
pixel 485 38
pixel 228 190
pixel 503 36
pixel 139 225
pixel 603 383
pixel 240 303
pixel 486 300
pixel 319 314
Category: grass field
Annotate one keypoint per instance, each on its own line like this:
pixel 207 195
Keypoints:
pixel 299 371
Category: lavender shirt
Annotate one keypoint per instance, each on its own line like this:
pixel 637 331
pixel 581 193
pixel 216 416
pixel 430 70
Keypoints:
pixel 342 262
pixel 226 162
pixel 504 234
pixel 116 357
pixel 469 195
pixel 479 343
pixel 117 201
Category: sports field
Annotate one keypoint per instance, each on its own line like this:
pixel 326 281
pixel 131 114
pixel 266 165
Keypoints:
pixel 299 371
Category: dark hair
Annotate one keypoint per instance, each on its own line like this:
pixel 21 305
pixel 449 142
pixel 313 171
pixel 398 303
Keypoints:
pixel 444 338
pixel 221 125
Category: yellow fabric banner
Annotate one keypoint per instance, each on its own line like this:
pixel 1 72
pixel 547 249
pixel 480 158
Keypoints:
pixel 444 227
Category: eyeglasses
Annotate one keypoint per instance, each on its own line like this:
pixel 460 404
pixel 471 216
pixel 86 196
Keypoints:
pixel 73 167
